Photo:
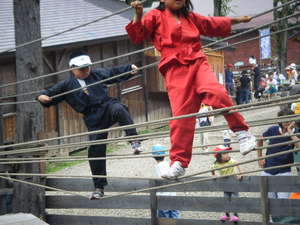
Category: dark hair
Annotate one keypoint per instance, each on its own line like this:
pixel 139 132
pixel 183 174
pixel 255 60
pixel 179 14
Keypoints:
pixel 77 53
pixel 285 112
pixel 184 10
pixel 244 72
pixel 159 158
pixel 219 158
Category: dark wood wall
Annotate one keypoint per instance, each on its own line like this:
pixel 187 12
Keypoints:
pixel 148 103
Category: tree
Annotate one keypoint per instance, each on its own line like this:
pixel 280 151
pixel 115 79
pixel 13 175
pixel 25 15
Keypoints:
pixel 29 63
pixel 281 39
pixel 221 7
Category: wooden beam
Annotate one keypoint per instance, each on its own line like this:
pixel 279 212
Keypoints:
pixel 265 212
pixel 153 203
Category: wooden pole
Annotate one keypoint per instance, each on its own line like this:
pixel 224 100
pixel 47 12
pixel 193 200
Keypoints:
pixel 153 203
pixel 265 210
pixel 29 63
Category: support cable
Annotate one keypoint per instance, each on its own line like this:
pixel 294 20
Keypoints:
pixel 147 136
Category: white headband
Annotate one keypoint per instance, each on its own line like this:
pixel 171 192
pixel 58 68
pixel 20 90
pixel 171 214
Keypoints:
pixel 82 60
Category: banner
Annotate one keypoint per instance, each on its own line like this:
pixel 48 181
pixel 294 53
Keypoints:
pixel 265 44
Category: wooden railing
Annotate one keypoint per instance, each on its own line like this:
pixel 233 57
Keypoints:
pixel 254 205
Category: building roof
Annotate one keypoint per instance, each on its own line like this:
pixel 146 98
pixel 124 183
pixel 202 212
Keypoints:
pixel 59 15
pixel 267 18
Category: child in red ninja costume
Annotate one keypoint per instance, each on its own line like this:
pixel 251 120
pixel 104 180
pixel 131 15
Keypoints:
pixel 175 31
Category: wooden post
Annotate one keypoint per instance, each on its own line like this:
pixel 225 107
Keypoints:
pixel 153 203
pixel 29 64
pixel 265 210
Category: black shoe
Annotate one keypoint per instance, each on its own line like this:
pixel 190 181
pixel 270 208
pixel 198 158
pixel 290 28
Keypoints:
pixel 97 195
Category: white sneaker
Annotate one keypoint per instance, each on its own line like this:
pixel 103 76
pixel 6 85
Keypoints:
pixel 163 169
pixel 247 141
pixel 177 170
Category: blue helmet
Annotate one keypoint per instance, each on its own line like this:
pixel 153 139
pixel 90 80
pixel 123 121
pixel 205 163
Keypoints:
pixel 159 150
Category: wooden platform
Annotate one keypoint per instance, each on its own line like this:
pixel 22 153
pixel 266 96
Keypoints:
pixel 20 219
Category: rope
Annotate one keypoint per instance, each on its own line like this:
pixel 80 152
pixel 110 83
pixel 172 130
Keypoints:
pixel 116 57
pixel 69 29
pixel 70 69
pixel 150 152
pixel 144 136
pixel 155 122
pixel 254 38
pixel 152 188
pixel 149 48
pixel 127 157
pixel 251 30
pixel 89 85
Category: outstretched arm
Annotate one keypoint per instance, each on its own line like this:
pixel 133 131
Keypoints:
pixel 140 28
pixel 106 73
pixel 241 19
pixel 216 26
pixel 45 98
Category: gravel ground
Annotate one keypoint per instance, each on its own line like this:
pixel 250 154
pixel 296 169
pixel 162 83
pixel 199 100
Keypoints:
pixel 145 168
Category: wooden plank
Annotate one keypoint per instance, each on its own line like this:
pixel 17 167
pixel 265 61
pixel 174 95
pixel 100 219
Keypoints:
pixel 284 207
pixel 153 203
pixel 94 220
pixel 122 202
pixel 248 184
pixel 264 200
pixel 114 185
pixel 209 204
pixel 6 191
pixel 20 219
pixel 209 222
pixel 284 183
pixel 97 220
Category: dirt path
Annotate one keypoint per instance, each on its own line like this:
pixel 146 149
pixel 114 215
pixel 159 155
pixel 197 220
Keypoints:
pixel 145 168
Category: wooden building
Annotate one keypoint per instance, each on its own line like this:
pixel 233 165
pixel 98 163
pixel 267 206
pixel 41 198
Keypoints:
pixel 145 96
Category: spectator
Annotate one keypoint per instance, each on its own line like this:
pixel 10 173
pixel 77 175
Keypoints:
pixel 280 129
pixel 223 159
pixel 158 152
pixel 256 72
pixel 229 79
pixel 271 88
pixel 291 81
pixel 245 88
pixel 204 121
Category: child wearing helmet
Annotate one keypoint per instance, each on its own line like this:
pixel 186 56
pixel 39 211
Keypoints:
pixel 223 159
pixel 159 152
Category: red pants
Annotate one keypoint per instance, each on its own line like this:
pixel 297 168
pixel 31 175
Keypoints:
pixel 188 86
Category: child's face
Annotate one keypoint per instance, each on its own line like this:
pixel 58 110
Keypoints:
pixel 285 125
pixel 225 157
pixel 174 5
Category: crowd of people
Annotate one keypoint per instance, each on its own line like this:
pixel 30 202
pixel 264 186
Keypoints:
pixel 255 84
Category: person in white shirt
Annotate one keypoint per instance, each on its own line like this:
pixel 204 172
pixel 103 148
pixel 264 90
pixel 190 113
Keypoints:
pixel 159 152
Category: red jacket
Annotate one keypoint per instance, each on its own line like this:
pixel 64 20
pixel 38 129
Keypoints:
pixel 177 39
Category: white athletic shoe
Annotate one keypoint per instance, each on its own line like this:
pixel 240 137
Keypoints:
pixel 247 141
pixel 177 170
pixel 163 169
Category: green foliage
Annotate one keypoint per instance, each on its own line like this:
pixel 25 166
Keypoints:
pixel 222 7
pixel 52 167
